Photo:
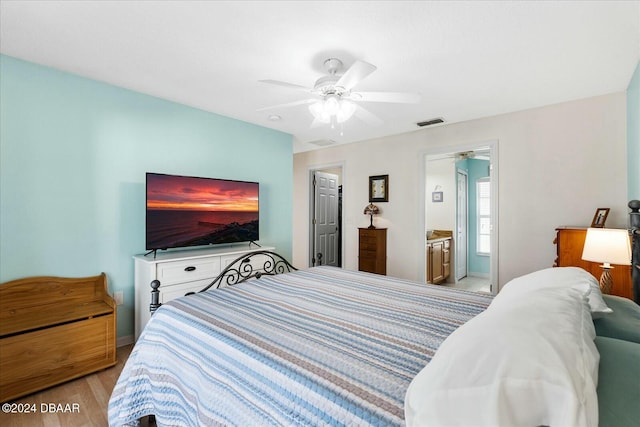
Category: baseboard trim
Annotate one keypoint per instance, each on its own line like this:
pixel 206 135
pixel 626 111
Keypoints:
pixel 126 340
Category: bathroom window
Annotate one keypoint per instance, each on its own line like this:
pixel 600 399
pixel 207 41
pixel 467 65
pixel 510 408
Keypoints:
pixel 483 203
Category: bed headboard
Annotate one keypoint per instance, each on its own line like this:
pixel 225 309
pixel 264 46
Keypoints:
pixel 247 266
pixel 634 230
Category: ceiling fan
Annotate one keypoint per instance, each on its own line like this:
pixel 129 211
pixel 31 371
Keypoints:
pixel 479 154
pixel 463 155
pixel 333 98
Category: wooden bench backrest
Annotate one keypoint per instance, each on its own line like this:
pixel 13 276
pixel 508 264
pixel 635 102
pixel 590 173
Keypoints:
pixel 31 295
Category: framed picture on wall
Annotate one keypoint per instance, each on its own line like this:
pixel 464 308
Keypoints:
pixel 379 188
pixel 600 218
pixel 436 197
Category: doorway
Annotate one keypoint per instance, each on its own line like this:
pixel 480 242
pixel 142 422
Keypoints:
pixel 466 178
pixel 325 217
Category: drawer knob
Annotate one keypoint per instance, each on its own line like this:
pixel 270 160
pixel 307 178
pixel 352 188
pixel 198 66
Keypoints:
pixel 190 268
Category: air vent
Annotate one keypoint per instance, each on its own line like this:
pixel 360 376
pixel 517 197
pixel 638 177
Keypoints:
pixel 430 122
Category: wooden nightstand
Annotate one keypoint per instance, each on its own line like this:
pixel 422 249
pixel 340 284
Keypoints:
pixel 569 244
pixel 372 255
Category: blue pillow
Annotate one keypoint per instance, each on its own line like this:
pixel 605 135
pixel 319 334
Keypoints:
pixel 623 323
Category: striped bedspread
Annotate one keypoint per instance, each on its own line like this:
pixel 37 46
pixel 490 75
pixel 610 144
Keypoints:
pixel 322 346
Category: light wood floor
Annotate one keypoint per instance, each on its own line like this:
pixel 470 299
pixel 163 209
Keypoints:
pixel 90 394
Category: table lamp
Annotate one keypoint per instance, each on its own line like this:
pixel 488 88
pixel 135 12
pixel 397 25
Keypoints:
pixel 371 210
pixel 608 246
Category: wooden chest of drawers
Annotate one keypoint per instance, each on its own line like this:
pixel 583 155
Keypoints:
pixel 372 243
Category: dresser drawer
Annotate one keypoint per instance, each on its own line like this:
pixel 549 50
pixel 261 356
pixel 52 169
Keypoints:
pixel 184 271
pixel 368 245
pixel 181 289
pixel 256 261
pixel 368 253
pixel 368 264
pixel 368 233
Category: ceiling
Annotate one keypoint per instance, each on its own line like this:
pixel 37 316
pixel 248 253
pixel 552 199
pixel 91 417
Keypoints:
pixel 466 59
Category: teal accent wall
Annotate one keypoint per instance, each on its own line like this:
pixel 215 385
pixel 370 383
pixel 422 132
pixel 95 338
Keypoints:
pixel 73 157
pixel 475 168
pixel 633 136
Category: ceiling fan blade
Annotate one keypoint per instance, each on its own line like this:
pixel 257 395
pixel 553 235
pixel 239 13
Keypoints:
pixel 367 116
pixel 287 85
pixel 396 97
pixel 288 104
pixel 358 71
pixel 316 123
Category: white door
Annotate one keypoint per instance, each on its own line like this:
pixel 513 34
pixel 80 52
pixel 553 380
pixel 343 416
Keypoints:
pixel 461 226
pixel 325 221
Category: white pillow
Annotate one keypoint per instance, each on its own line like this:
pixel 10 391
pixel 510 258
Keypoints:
pixel 558 277
pixel 528 362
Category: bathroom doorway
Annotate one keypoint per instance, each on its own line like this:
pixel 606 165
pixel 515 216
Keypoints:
pixel 460 198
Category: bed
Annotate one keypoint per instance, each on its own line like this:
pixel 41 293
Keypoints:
pixel 322 346
pixel 327 346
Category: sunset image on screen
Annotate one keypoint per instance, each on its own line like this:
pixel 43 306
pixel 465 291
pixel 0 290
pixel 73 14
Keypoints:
pixel 175 192
pixel 190 211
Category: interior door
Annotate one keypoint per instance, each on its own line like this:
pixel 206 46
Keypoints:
pixel 461 225
pixel 325 221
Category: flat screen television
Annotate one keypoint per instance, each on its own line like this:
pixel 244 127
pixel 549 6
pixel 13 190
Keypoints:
pixel 185 211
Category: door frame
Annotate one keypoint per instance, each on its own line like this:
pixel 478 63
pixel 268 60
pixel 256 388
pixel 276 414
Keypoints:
pixel 492 145
pixel 310 206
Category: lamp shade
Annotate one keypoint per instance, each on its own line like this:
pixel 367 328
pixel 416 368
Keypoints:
pixel 607 245
pixel 332 107
pixel 371 209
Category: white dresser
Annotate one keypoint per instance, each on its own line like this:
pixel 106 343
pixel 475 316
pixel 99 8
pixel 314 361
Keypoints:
pixel 181 271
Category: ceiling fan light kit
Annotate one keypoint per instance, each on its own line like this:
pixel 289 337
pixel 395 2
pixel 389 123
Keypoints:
pixel 332 108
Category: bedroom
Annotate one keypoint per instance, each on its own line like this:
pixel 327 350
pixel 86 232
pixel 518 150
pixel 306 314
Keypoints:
pixel 74 152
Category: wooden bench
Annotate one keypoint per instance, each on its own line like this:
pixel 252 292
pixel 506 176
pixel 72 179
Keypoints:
pixel 52 330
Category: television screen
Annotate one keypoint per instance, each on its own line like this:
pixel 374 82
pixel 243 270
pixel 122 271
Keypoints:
pixel 189 211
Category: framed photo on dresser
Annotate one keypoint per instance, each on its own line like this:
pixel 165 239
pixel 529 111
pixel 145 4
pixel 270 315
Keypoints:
pixel 600 218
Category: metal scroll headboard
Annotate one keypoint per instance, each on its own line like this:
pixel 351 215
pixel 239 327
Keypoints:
pixel 248 266
pixel 634 230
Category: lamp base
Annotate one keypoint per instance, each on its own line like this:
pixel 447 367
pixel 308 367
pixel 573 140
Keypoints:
pixel 371 224
pixel 606 281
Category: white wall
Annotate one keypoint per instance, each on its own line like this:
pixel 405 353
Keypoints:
pixel 441 215
pixel 557 165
